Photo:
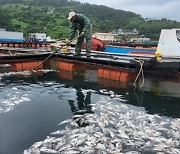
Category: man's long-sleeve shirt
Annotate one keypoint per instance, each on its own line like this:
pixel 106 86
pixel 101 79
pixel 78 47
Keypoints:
pixel 82 24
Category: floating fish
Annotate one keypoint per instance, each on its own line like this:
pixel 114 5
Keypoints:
pixel 114 129
pixel 65 121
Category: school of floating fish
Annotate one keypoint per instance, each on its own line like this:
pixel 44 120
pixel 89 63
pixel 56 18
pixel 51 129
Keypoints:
pixel 113 129
pixel 14 95
pixel 25 72
pixel 13 100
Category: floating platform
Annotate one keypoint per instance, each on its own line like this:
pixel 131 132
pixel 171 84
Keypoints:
pixel 129 62
pixel 11 55
pixel 162 59
pixel 6 59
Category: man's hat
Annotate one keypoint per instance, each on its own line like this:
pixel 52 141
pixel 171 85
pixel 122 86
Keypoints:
pixel 71 14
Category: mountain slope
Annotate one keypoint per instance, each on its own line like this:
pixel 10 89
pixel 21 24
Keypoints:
pixel 50 16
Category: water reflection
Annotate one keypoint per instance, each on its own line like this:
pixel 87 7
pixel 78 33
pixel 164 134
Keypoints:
pixel 83 103
pixel 156 96
pixel 81 106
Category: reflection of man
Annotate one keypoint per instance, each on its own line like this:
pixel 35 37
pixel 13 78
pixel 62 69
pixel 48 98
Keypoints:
pixel 82 103
pixel 82 24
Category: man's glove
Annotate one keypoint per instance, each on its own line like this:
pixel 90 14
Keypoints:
pixel 82 34
pixel 68 42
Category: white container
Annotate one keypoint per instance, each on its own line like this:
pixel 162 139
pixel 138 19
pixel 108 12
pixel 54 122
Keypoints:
pixel 169 42
pixel 9 36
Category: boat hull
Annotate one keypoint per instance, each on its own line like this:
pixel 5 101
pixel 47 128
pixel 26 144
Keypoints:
pixel 129 50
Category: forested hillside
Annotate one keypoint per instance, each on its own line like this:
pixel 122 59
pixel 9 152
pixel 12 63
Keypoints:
pixel 50 16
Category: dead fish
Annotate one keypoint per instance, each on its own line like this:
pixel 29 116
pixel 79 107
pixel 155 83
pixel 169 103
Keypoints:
pixel 72 152
pixel 32 151
pixel 63 148
pixel 122 134
pixel 65 121
pixel 132 152
pixel 59 145
pixel 100 146
pixel 86 149
pixel 50 151
pixel 90 143
pixel 112 126
pixel 26 73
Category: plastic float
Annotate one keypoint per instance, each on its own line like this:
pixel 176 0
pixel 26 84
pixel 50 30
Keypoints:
pixel 96 44
pixel 70 66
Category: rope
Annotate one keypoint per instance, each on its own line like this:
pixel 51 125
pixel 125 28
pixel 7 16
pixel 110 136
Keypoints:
pixel 10 52
pixel 141 62
pixel 139 100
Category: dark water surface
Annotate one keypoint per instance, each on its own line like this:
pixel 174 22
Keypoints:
pixel 31 107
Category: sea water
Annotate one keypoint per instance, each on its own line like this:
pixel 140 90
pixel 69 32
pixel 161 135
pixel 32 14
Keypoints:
pixel 33 106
